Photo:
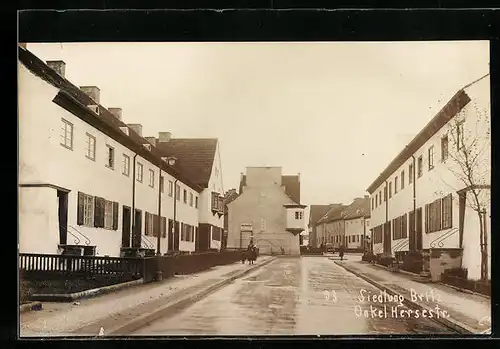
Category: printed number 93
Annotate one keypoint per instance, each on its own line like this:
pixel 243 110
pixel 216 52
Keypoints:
pixel 330 296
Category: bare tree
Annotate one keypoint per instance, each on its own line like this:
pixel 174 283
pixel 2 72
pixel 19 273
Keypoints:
pixel 470 166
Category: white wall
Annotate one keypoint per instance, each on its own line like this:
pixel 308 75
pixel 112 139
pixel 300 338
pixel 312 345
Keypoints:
pixel 43 160
pixel 355 227
pixel 441 180
pixel 292 222
pixel 263 207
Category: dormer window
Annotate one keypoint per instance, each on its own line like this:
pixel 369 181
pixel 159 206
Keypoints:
pixel 148 146
pixel 298 215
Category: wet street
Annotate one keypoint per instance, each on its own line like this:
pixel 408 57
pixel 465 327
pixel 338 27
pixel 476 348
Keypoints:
pixel 294 296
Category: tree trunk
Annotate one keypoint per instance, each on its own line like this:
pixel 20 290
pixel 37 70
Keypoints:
pixel 485 248
pixel 481 244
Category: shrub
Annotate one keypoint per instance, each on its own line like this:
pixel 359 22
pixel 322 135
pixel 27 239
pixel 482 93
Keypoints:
pixel 385 260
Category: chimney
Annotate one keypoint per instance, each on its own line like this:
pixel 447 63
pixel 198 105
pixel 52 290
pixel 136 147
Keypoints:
pixel 164 136
pixel 58 66
pixel 151 140
pixel 92 91
pixel 137 128
pixel 117 112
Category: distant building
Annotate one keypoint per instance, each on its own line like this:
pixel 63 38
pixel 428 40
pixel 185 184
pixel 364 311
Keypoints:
pixel 357 223
pixel 316 212
pixel 269 208
pixel 331 227
pixel 229 196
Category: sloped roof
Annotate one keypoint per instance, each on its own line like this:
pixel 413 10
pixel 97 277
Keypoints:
pixel 449 110
pixel 72 97
pixel 333 214
pixel 316 212
pixel 195 156
pixel 360 207
pixel 291 183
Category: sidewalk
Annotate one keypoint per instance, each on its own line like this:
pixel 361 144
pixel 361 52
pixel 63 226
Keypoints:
pixel 468 313
pixel 116 309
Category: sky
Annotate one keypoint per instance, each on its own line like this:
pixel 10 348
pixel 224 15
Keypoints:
pixel 337 113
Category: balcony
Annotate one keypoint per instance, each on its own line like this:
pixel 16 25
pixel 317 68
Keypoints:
pixel 295 222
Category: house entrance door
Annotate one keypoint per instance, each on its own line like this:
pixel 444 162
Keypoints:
pixel 126 226
pixel 418 232
pixel 63 216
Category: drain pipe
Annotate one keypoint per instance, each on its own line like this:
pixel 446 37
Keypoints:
pixel 133 202
pixel 386 197
pixel 175 215
pixel 414 206
pixel 159 272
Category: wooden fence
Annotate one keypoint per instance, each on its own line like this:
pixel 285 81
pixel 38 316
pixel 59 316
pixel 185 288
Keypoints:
pixel 65 265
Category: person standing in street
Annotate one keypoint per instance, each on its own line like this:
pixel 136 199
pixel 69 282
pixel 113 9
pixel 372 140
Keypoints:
pixel 341 253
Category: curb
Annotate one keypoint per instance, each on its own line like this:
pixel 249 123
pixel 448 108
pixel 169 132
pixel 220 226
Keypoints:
pixel 30 307
pixel 464 290
pixel 170 308
pixel 452 324
pixel 69 297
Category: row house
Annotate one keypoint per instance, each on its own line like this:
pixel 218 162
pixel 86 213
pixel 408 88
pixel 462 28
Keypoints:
pixel 346 226
pixel 269 206
pixel 91 184
pixel 424 201
pixel 316 212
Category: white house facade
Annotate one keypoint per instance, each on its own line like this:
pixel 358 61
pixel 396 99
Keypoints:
pixel 269 204
pixel 90 183
pixel 427 181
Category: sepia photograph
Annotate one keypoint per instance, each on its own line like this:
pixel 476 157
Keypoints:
pixel 254 188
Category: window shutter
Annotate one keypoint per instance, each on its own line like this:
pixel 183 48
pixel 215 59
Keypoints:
pixel 102 206
pixel 96 212
pixel 427 218
pixel 115 215
pixel 164 227
pixel 146 220
pixel 80 209
pixel 157 232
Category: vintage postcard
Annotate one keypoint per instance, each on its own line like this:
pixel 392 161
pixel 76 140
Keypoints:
pixel 254 188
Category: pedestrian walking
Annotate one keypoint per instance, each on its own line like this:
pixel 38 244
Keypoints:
pixel 341 253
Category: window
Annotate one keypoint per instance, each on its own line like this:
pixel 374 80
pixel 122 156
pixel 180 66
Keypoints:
pixel 185 196
pixel 385 194
pixel 108 215
pixel 85 210
pixel 444 148
pixel 90 147
pixel 150 224
pixel 420 166
pixel 433 219
pixel 431 158
pixel 377 234
pixel 399 227
pixel 170 188
pixel 390 190
pixel 151 178
pixel 373 203
pixel 380 197
pixel 178 192
pixel 402 180
pixel 97 212
pixel 111 157
pixel 140 172
pixel 410 174
pixel 298 215
pixel 376 200
pixel 215 201
pixel 126 165
pixel 262 224
pixel 446 209
pixel 67 134
pixel 196 202
pixel 191 199
pixel 460 135
pixel 396 185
